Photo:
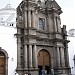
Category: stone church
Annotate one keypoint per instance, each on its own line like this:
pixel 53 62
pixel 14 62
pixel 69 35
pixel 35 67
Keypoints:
pixel 42 45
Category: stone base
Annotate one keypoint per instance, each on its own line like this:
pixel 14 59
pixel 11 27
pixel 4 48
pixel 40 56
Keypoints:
pixel 32 71
pixel 19 71
pixel 62 71
pixel 27 71
pixel 62 74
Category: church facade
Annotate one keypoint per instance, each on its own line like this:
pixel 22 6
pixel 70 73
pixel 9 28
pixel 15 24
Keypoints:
pixel 42 44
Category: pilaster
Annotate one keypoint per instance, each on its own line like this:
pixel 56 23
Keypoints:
pixel 58 24
pixel 66 56
pixel 29 18
pixel 18 49
pixel 55 24
pixel 25 18
pixel 62 57
pixel 25 57
pixel 33 19
pixel 58 57
pixel 35 56
pixel 30 56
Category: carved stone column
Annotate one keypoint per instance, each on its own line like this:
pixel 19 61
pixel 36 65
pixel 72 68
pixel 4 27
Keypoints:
pixel 66 56
pixel 25 19
pixel 55 24
pixel 58 57
pixel 33 19
pixel 29 18
pixel 25 56
pixel 30 56
pixel 58 24
pixel 62 57
pixel 35 56
pixel 18 48
pixel 50 23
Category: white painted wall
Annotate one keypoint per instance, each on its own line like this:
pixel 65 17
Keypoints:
pixel 71 48
pixel 8 41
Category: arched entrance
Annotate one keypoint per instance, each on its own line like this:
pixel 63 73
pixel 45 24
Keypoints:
pixel 44 61
pixel 2 64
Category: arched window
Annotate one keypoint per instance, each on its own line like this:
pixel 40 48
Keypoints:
pixel 41 23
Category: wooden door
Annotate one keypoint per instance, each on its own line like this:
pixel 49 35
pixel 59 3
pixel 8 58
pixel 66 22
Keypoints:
pixel 44 62
pixel 2 64
pixel 43 58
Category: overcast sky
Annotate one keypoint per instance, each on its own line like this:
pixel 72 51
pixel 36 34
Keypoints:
pixel 68 8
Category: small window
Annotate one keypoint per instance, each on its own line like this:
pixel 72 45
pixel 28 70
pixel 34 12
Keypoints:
pixel 41 23
pixel 12 24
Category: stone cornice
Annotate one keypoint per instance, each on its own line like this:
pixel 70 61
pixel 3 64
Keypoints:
pixel 30 36
pixel 26 4
pixel 18 35
pixel 60 40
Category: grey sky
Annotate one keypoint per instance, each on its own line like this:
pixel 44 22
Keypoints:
pixel 67 17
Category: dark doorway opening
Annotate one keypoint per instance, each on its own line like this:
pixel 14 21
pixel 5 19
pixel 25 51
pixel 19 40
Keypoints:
pixel 40 70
